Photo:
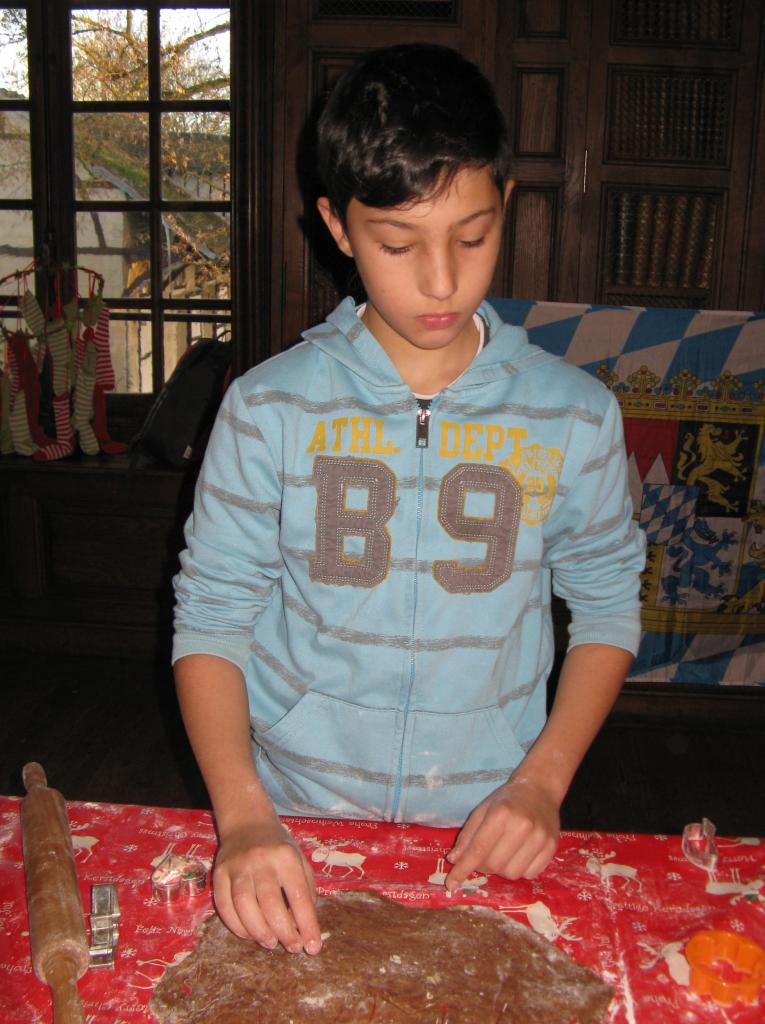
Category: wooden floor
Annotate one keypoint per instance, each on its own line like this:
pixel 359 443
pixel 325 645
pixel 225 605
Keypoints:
pixel 110 731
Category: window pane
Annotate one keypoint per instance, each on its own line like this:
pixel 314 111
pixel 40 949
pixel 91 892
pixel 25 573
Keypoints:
pixel 196 255
pixel 117 246
pixel 196 156
pixel 196 48
pixel 130 344
pixel 111 156
pixel 14 68
pixel 15 165
pixel 109 55
pixel 16 245
pixel 179 334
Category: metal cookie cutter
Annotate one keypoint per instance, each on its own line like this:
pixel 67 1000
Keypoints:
pixel 178 877
pixel 104 924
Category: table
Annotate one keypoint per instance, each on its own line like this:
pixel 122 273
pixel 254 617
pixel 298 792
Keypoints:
pixel 622 904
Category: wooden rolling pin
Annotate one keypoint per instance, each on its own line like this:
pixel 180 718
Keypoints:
pixel 56 922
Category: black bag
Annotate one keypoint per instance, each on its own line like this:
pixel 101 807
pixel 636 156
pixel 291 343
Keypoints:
pixel 179 422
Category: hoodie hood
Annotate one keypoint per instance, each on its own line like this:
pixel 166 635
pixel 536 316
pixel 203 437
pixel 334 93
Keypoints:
pixel 345 338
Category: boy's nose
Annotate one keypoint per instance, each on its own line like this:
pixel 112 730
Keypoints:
pixel 438 276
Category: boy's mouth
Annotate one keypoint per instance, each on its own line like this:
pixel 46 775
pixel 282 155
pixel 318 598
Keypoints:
pixel 437 321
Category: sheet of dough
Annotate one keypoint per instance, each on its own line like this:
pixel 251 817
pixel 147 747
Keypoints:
pixel 383 962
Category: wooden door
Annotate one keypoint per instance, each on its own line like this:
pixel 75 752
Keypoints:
pixel 541 80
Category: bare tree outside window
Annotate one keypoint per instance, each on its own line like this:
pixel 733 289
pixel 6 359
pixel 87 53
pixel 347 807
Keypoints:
pixel 118 122
pixel 16 244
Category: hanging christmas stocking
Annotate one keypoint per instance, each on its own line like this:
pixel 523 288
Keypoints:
pixel 60 349
pixel 19 400
pixel 59 352
pixel 105 381
pixel 22 439
pixel 62 416
pixel 18 419
pixel 6 437
pixel 100 429
pixel 24 372
pixel 30 309
pixel 104 368
pixel 85 381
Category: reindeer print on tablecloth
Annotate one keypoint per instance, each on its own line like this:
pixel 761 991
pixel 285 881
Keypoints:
pixel 474 884
pixel 674 959
pixel 736 889
pixel 330 856
pixel 603 867
pixel 541 919
pixel 82 843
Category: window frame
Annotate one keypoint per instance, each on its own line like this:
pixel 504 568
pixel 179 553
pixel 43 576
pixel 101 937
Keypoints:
pixel 55 206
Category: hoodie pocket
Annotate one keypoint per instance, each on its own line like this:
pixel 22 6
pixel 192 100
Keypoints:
pixel 330 755
pixel 454 761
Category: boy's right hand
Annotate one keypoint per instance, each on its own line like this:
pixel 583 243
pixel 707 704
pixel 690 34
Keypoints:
pixel 264 887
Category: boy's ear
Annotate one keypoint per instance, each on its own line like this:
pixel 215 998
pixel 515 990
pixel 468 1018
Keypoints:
pixel 335 225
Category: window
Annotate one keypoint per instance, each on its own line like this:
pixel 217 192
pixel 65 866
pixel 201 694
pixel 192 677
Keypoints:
pixel 117 159
pixel 16 222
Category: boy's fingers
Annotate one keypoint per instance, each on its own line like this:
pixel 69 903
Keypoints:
pixel 457 875
pixel 300 898
pixel 465 864
pixel 228 914
pixel 225 906
pixel 279 917
pixel 540 862
pixel 241 913
pixel 468 853
pixel 464 837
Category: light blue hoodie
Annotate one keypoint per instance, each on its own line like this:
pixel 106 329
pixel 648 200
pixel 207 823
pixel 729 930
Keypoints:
pixel 389 603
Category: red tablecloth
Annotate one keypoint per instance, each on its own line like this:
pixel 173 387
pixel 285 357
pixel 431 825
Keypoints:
pixel 622 904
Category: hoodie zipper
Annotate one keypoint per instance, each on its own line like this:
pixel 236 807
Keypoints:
pixel 421 440
pixel 422 433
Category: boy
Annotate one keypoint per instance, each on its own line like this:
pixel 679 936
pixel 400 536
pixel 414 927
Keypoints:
pixel 362 623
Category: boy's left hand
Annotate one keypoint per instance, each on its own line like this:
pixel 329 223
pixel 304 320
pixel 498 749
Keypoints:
pixel 513 832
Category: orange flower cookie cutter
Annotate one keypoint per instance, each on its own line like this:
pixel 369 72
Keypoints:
pixel 725 966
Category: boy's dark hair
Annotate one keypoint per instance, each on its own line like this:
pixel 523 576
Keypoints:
pixel 400 124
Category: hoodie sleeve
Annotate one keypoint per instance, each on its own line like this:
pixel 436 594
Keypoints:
pixel 232 561
pixel 594 548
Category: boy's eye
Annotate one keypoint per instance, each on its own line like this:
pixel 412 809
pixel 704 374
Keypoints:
pixel 395 250
pixel 472 243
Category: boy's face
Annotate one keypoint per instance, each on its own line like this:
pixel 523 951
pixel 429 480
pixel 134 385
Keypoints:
pixel 426 265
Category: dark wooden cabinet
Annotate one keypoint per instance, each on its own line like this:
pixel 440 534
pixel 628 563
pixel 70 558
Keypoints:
pixel 670 139
pixel 88 555
pixel 637 131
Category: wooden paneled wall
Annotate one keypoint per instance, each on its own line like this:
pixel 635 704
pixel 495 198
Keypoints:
pixel 637 139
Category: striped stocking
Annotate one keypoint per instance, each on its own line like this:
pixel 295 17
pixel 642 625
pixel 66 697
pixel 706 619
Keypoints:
pixel 25 377
pixel 6 437
pixel 64 443
pixel 85 381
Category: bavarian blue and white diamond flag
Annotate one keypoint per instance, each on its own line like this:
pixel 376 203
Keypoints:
pixel 667 511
